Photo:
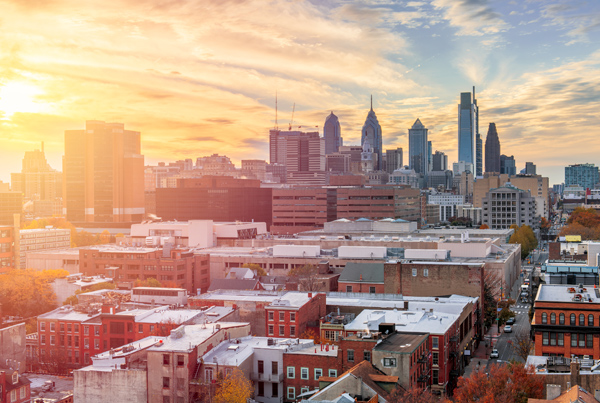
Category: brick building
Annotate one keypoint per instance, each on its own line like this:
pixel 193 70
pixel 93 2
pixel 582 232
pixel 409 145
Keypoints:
pixel 362 277
pixel 216 198
pixel 172 267
pixel 566 321
pixel 14 388
pixel 7 249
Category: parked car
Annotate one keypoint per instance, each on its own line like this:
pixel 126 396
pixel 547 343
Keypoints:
pixel 507 329
pixel 510 321
pixel 494 353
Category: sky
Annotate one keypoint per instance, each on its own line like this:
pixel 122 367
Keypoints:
pixel 199 77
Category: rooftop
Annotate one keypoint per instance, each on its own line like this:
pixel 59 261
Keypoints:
pixel 405 321
pixel 186 337
pixel 567 293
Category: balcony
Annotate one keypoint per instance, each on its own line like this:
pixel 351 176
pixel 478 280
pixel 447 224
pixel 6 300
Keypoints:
pixel 274 378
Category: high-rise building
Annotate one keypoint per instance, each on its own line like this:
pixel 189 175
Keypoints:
pixel 469 139
pixel 332 134
pixel 508 165
pixel 429 156
pixel 584 175
pixel 418 150
pixel 506 206
pixel 439 161
pixel 371 131
pixel 303 155
pixel 492 150
pixel 530 168
pixel 394 160
pixel 103 174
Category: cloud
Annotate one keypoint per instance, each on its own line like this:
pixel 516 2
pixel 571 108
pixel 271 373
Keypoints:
pixel 472 17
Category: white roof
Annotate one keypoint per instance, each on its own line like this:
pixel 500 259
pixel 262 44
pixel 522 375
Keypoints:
pixel 561 293
pixel 406 321
pixel 185 338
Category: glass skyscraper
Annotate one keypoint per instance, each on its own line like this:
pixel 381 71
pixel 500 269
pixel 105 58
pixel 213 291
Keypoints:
pixel 418 148
pixel 469 139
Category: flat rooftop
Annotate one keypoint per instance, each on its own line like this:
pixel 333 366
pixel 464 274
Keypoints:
pixel 568 293
pixel 185 338
pixel 402 342
pixel 295 299
pixel 405 321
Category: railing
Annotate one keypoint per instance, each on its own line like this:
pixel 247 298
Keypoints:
pixel 275 378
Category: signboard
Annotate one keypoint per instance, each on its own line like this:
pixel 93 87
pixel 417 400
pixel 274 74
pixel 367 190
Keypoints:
pixel 573 238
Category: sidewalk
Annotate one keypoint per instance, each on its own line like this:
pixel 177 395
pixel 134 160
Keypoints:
pixel 480 357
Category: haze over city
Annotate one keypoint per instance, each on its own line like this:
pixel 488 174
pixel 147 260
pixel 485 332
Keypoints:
pixel 197 78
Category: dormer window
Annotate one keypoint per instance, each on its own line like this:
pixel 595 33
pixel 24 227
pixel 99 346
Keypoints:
pixel 15 377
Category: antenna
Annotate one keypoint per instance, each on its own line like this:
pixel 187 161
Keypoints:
pixel 292 121
pixel 371 101
pixel 276 125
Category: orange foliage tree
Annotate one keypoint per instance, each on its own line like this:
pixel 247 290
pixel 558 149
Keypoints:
pixel 583 221
pixel 235 388
pixel 27 292
pixel 512 383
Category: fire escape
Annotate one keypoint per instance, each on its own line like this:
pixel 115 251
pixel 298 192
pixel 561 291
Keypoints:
pixel 424 368
pixel 454 361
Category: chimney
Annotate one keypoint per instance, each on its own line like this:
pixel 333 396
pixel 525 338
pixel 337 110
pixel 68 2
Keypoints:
pixel 310 295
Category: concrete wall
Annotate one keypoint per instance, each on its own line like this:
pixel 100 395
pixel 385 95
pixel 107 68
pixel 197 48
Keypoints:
pixel 12 344
pixel 116 386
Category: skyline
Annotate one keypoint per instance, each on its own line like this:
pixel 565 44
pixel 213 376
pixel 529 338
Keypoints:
pixel 197 78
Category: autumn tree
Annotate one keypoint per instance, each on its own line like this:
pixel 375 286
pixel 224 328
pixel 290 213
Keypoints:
pixel 105 285
pixel 235 388
pixel 27 293
pixel 512 383
pixel 484 226
pixel 255 267
pixel 524 235
pixel 308 278
pixel 414 395
pixel 149 282
pixel 522 345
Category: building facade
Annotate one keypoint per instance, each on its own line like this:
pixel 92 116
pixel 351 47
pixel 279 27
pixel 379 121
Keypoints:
pixel 469 140
pixel 508 205
pixel 584 175
pixel 492 150
pixel 333 134
pixel 371 133
pixel 393 160
pixel 418 152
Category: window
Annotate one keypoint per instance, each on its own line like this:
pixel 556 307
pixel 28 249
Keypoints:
pixel 573 339
pixel 367 355
pixel 166 382
pixel 561 339
pixel 553 318
pixel 43 339
pixel 23 392
pixel 15 377
pixel 281 316
pixel 274 389
pixel 291 393
pixel 86 330
pixel 389 362
pixel 13 396
pixel 590 320
pixel 271 315
pixel 292 316
pixel 303 390
pixel 333 373
pixel 151 328
pixel 553 339
pixel 303 373
pixel 434 342
pixel 414 272
pixel 76 328
pixel 435 378
pixel 97 344
pixel 581 319
pixel 561 319
pixel 291 372
pixel 350 355
pixel 318 373
pixel 371 290
pixel 281 330
pixel 271 330
pixel 425 272
pixel 86 343
pixel 348 288
pixel 435 358
pixel 589 340
pixel 261 388
pixel 274 367
pixel 52 340
pixel 261 367
pixel 166 359
pixel 208 375
pixel 52 326
pixel 69 327
pixel 572 319
pixel 42 326
pixel 292 331
pixel 86 358
pixel 544 318
pixel 180 360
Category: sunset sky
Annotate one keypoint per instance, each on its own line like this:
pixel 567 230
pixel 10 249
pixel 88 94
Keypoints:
pixel 199 77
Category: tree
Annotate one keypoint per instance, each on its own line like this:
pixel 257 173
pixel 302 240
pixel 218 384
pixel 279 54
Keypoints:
pixel 55 361
pixel 255 267
pixel 308 278
pixel 484 226
pixel 512 383
pixel 522 345
pixel 414 395
pixel 235 388
pixel 524 235
pixel 149 282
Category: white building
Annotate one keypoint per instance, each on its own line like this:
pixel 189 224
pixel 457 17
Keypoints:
pixel 405 176
pixel 42 239
pixel 448 203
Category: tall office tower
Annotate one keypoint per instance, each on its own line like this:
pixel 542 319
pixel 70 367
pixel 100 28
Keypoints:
pixel 429 156
pixel 394 160
pixel 103 174
pixel 371 130
pixel 303 155
pixel 332 134
pixel 469 139
pixel 492 150
pixel 418 150
pixel 584 175
pixel 508 165
pixel 39 184
pixel 530 168
pixel 439 161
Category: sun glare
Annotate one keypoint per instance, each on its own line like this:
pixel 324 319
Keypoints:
pixel 19 97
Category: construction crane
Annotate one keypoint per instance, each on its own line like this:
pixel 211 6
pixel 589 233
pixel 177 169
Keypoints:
pixel 292 121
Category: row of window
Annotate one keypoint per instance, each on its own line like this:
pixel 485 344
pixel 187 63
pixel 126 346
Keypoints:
pixel 282 316
pixel 581 340
pixel 349 288
pixel 282 331
pixel 366 355
pixel 572 319
pixel 115 327
pixel 22 394
pixel 304 373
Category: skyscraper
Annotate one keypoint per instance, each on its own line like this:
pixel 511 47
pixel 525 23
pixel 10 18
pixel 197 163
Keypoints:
pixel 418 148
pixel 371 130
pixel 103 174
pixel 394 159
pixel 332 134
pixel 469 139
pixel 492 150
pixel 508 165
pixel 303 155
pixel 584 175
pixel 440 161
